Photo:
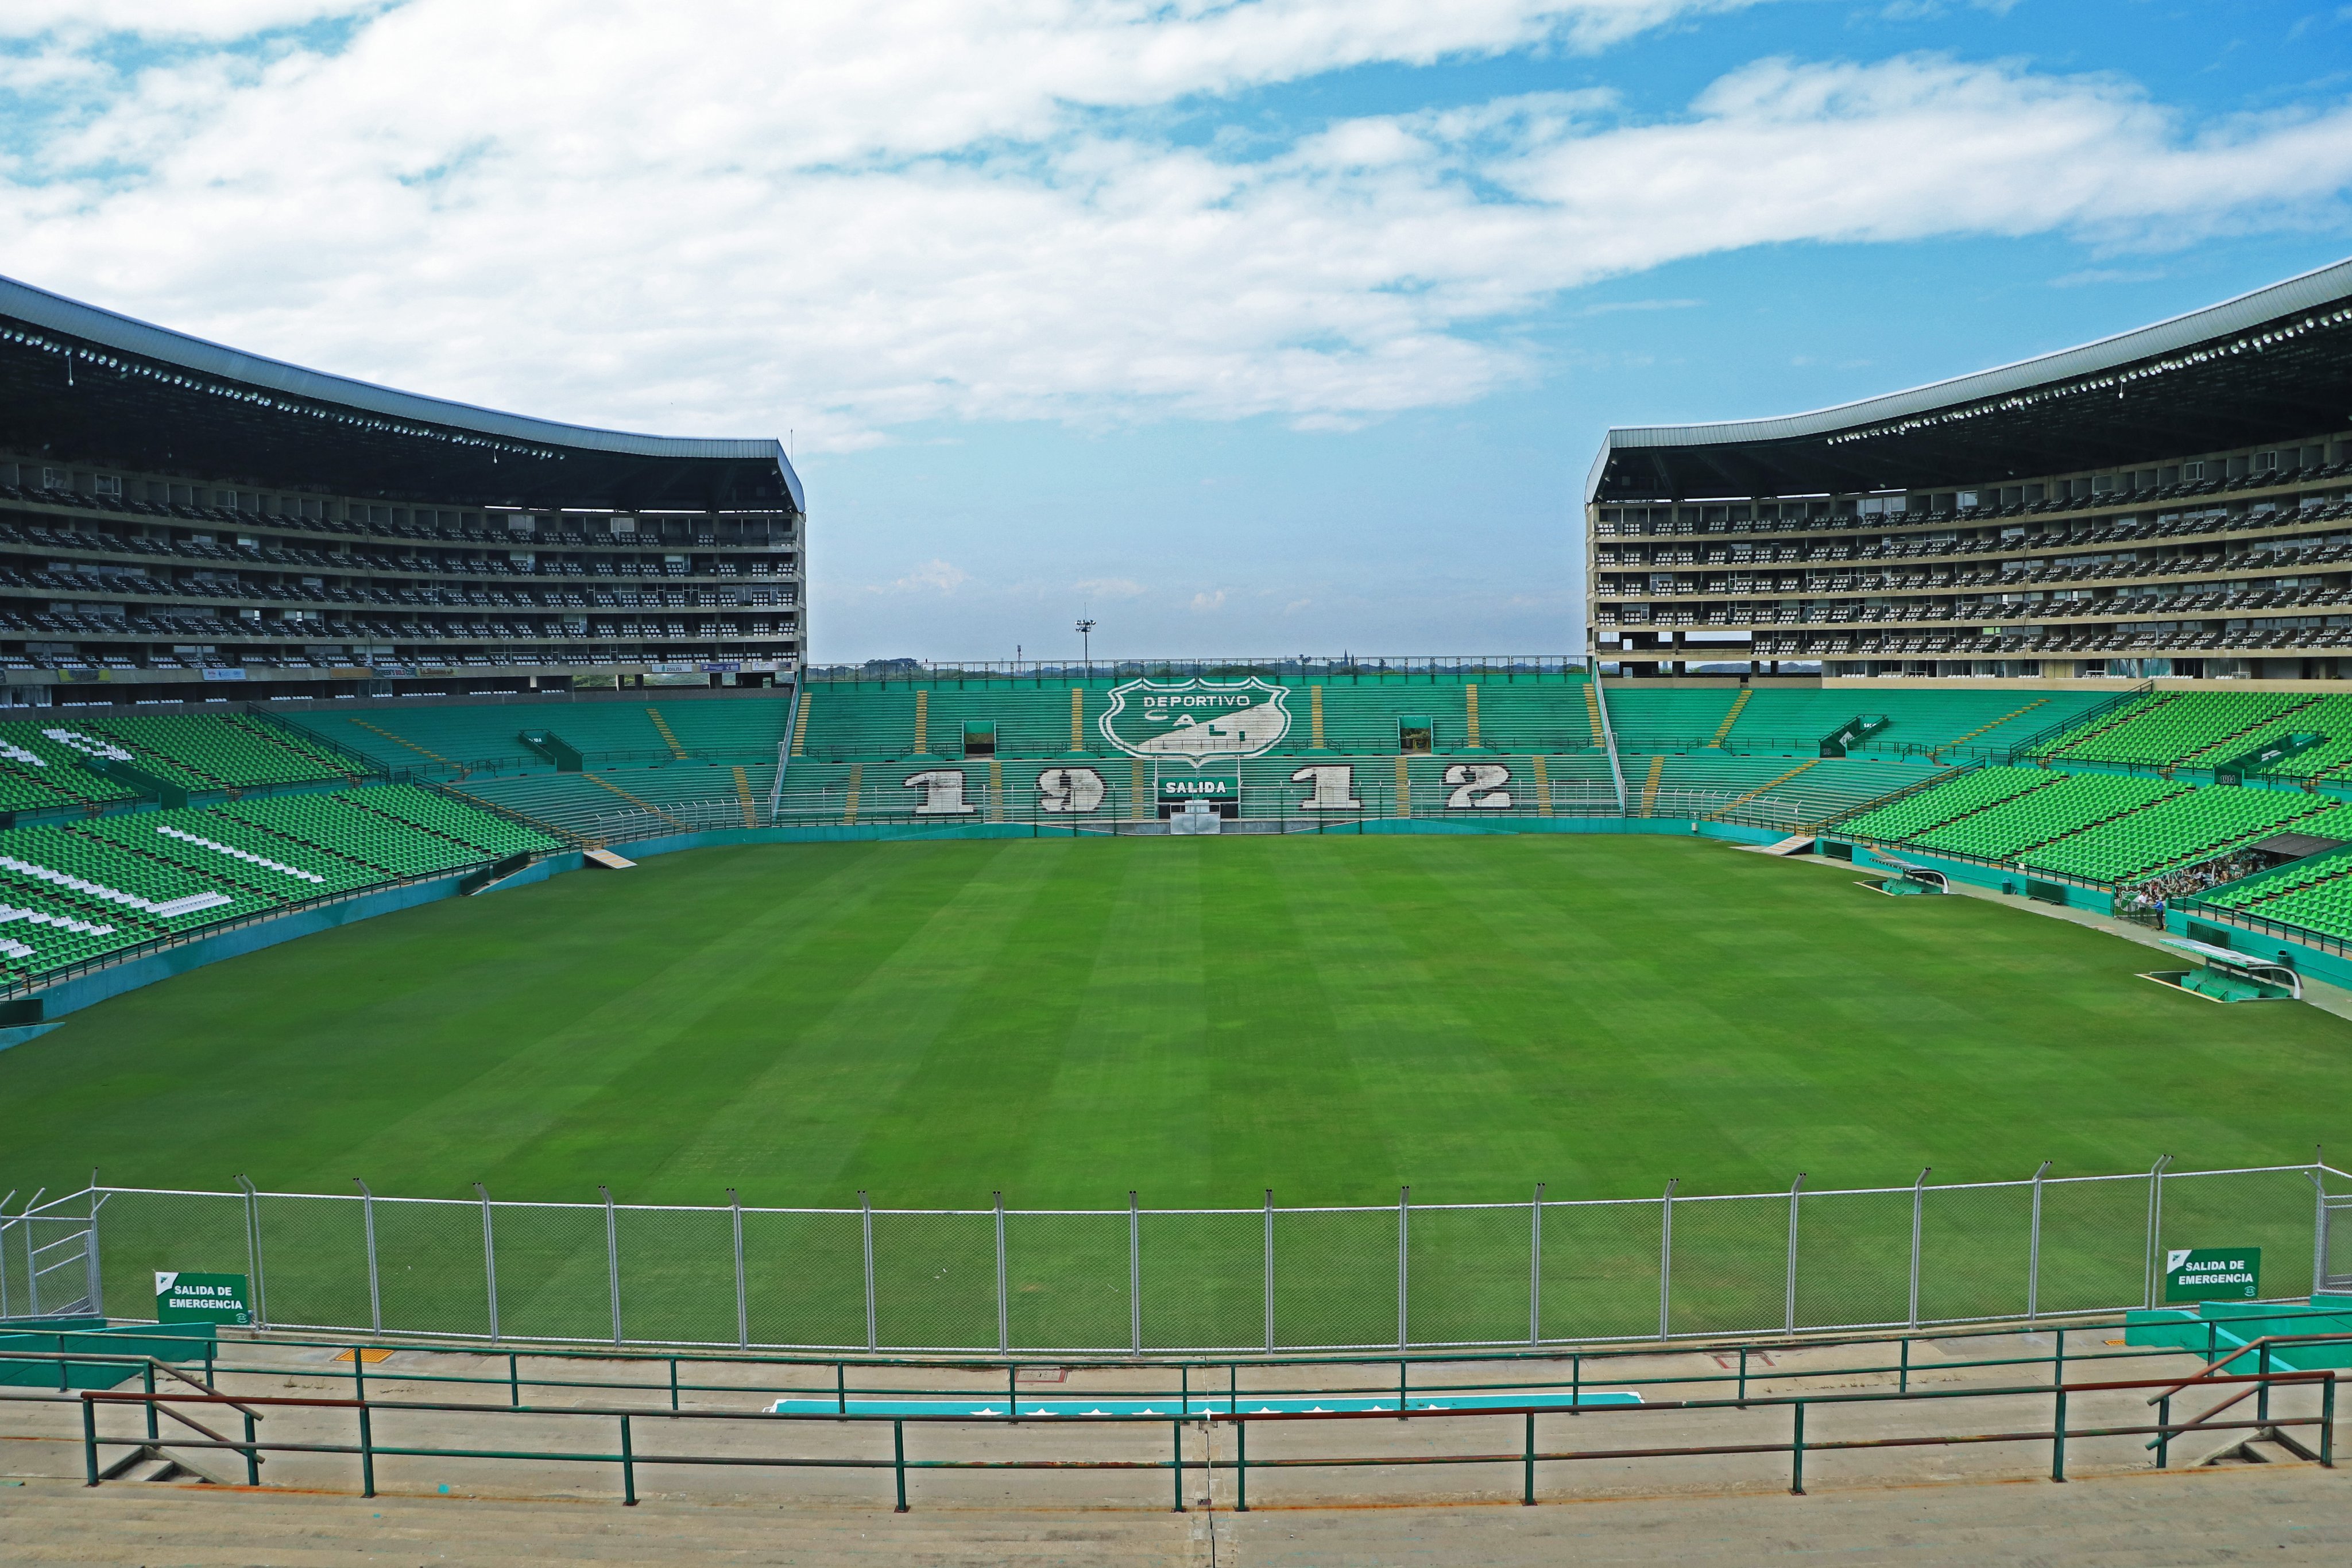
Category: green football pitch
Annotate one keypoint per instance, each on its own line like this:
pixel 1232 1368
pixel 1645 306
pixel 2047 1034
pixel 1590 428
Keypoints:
pixel 1195 1020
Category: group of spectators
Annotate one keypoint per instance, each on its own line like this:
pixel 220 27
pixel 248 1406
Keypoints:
pixel 2189 881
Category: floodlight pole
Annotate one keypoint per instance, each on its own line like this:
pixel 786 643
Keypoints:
pixel 1086 642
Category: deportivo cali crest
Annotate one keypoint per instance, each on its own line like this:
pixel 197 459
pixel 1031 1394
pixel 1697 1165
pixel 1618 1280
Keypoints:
pixel 1197 721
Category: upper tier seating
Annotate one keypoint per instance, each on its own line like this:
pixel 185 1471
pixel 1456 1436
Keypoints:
pixel 636 802
pixel 1922 721
pixel 1794 720
pixel 1058 717
pixel 2176 728
pixel 204 752
pixel 2074 802
pixel 1653 719
pixel 1796 791
pixel 484 738
pixel 41 773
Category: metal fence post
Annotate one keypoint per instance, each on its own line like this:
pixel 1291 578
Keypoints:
pixel 2155 1224
pixel 1004 1311
pixel 1269 1270
pixel 742 1295
pixel 866 1208
pixel 613 1259
pixel 252 1253
pixel 97 1280
pixel 1134 1274
pixel 1666 1257
pixel 490 1260
pixel 5 1312
pixel 1918 1212
pixel 1404 1223
pixel 375 1283
pixel 2033 1250
pixel 1535 1267
pixel 2318 1222
pixel 1796 1190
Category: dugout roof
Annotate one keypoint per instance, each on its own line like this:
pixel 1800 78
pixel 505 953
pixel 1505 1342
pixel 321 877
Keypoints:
pixel 98 388
pixel 2268 367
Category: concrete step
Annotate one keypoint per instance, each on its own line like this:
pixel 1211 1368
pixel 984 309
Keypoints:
pixel 2268 1447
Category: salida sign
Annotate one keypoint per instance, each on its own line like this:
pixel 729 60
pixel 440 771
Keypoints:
pixel 2212 1273
pixel 201 1298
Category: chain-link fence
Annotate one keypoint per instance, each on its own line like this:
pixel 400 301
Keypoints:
pixel 1137 1280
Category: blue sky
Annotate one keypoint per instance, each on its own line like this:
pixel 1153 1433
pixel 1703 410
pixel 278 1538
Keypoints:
pixel 1241 326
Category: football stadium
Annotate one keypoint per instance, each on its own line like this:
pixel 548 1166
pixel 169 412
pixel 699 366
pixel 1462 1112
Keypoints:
pixel 449 910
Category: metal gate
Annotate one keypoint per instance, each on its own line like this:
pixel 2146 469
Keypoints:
pixel 48 1259
pixel 2335 1244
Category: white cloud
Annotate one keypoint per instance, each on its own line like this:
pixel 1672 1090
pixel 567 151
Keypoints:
pixel 1204 602
pixel 934 575
pixel 846 218
pixel 1109 588
pixel 170 18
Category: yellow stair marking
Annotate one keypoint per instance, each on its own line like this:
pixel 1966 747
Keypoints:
pixel 1543 789
pixel 1405 787
pixel 603 783
pixel 1140 782
pixel 922 723
pixel 743 794
pixel 849 805
pixel 1592 710
pixel 662 724
pixel 1770 784
pixel 996 790
pixel 800 724
pixel 1733 717
pixel 1936 755
pixel 1650 790
pixel 1077 718
pixel 1315 716
pixel 1470 713
pixel 410 744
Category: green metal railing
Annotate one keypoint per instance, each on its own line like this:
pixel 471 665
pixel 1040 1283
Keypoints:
pixel 1194 1408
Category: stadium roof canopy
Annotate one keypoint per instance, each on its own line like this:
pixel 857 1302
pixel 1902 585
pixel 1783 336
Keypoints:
pixel 2268 367
pixel 100 388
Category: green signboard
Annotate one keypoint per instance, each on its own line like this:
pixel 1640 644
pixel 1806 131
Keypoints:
pixel 201 1298
pixel 2212 1273
pixel 1208 784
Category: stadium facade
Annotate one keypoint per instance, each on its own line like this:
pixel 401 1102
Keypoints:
pixel 2172 501
pixel 175 514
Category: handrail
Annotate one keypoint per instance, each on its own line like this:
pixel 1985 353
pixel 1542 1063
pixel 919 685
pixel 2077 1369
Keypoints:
pixel 2096 711
pixel 367 1450
pixel 2267 1340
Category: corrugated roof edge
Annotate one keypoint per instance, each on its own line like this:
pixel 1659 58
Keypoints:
pixel 2312 291
pixel 40 308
